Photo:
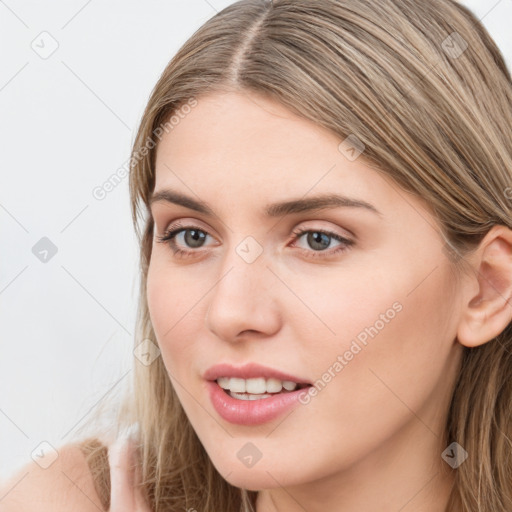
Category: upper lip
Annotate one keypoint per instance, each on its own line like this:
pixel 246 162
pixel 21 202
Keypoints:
pixel 248 371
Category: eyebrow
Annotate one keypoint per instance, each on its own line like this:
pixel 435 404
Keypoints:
pixel 319 202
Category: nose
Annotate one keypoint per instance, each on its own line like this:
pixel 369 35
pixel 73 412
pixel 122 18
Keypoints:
pixel 243 302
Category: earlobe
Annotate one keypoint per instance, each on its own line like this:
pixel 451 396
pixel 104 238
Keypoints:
pixel 488 312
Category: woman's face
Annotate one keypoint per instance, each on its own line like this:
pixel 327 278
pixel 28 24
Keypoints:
pixel 371 321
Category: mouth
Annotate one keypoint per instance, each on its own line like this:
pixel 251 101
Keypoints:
pixel 257 388
pixel 252 394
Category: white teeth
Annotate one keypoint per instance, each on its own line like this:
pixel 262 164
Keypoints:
pixel 247 396
pixel 237 385
pixel 289 385
pixel 255 386
pixel 223 382
pixel 274 385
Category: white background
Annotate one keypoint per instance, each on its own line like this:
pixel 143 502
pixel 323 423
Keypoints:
pixel 66 125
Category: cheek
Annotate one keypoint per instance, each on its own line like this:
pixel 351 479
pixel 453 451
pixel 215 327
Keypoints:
pixel 163 299
pixel 176 311
pixel 334 312
pixel 393 305
pixel 394 316
pixel 391 345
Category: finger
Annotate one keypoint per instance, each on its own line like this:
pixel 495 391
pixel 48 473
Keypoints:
pixel 141 504
pixel 122 497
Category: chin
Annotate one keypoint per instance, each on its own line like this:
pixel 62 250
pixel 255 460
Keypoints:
pixel 258 477
pixel 245 479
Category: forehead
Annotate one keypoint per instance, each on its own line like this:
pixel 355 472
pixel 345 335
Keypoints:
pixel 239 137
pixel 236 126
pixel 233 150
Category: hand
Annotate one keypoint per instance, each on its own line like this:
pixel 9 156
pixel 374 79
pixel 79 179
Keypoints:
pixel 123 495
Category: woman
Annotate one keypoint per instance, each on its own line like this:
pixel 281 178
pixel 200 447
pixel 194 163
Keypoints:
pixel 323 196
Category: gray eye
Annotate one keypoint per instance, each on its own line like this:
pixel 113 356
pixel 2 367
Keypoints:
pixel 193 237
pixel 318 241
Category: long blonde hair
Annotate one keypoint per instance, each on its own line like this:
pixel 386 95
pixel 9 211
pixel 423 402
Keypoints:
pixel 423 86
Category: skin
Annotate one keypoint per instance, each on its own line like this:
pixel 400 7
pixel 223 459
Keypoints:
pixel 123 494
pixel 372 438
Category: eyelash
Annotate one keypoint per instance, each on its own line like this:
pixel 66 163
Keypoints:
pixel 175 229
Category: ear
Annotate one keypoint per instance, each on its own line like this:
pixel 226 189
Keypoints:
pixel 487 312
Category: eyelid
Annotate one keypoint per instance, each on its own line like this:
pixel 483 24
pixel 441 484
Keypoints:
pixel 345 232
pixel 176 228
pixel 187 223
pixel 192 223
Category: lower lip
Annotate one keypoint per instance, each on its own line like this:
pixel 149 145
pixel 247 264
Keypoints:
pixel 251 412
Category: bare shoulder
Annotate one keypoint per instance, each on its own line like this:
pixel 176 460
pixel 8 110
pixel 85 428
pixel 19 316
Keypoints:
pixel 66 484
